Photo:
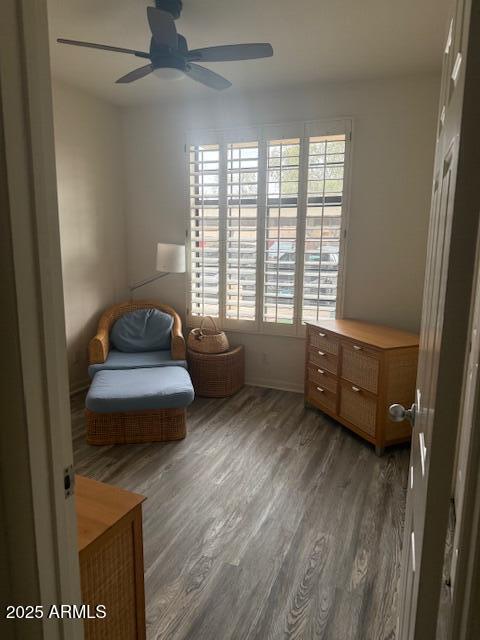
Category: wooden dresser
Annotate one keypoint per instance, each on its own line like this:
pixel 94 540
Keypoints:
pixel 354 371
pixel 110 544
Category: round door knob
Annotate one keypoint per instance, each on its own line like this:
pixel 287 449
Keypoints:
pixel 397 412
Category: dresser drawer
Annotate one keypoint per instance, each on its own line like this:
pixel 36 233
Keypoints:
pixel 360 366
pixel 322 397
pixel 358 407
pixel 323 340
pixel 322 359
pixel 322 378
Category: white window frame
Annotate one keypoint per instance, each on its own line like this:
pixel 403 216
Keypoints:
pixel 262 134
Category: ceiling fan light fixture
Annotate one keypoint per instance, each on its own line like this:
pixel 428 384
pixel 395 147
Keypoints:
pixel 168 73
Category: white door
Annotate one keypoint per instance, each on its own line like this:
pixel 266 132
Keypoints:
pixel 443 339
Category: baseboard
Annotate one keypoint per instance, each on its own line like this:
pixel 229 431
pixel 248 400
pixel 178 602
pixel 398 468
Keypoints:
pixel 280 385
pixel 79 386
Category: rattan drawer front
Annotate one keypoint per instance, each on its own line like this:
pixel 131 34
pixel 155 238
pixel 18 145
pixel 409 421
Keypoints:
pixel 322 378
pixel 358 407
pixel 322 397
pixel 322 359
pixel 324 340
pixel 360 366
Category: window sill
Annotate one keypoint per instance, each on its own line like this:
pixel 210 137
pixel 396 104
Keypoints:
pixel 298 334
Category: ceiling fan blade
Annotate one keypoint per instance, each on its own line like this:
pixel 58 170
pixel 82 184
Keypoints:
pixel 136 74
pixel 104 47
pixel 162 27
pixel 207 77
pixel 232 52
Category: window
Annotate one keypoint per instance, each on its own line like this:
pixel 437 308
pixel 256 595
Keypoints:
pixel 266 225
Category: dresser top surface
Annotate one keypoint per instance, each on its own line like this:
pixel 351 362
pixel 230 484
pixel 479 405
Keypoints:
pixel 99 506
pixel 372 334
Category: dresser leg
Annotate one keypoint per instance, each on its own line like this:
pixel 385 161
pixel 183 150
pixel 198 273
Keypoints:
pixel 379 450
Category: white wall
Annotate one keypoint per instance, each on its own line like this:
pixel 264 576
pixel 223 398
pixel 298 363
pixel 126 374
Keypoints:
pixel 92 215
pixel 392 168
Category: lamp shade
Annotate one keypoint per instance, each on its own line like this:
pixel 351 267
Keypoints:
pixel 171 258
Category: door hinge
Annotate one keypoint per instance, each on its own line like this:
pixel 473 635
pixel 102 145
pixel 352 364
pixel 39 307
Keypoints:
pixel 69 481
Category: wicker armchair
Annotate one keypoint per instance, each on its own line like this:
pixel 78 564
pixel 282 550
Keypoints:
pixel 99 346
pixel 152 425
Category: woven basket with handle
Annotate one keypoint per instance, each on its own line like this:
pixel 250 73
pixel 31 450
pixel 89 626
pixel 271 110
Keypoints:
pixel 208 340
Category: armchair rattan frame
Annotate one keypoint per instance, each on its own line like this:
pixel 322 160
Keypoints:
pixel 100 344
pixel 142 426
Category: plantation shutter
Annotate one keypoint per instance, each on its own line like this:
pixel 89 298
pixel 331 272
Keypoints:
pixel 241 230
pixel 326 167
pixel 281 230
pixel 267 226
pixel 204 230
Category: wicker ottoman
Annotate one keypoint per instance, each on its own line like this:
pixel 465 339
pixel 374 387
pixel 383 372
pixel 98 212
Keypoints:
pixel 138 405
pixel 217 375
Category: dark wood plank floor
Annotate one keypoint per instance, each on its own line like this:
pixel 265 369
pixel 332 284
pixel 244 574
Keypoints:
pixel 270 521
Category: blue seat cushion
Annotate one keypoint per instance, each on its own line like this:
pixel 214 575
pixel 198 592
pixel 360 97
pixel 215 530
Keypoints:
pixel 140 389
pixel 120 360
pixel 142 330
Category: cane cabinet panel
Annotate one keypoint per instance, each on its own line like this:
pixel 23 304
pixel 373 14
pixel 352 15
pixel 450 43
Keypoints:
pixel 355 370
pixel 109 523
pixel 360 366
pixel 359 408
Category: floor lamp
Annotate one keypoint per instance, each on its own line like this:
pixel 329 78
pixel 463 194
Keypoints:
pixel 170 259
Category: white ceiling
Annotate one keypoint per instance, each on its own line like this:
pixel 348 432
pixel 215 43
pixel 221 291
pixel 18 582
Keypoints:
pixel 314 41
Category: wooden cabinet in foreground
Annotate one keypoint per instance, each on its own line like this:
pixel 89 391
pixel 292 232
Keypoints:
pixel 354 371
pixel 110 543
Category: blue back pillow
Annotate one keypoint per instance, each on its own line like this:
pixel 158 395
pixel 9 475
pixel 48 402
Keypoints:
pixel 142 330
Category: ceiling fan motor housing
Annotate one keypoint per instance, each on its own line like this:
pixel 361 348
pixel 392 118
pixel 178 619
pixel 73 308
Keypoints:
pixel 164 57
pixel 174 7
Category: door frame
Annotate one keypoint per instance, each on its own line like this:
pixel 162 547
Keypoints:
pixel 38 521
pixel 464 617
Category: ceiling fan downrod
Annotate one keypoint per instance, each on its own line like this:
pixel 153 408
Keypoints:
pixel 174 7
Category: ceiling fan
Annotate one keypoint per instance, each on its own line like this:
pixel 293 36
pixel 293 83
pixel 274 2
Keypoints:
pixel 169 49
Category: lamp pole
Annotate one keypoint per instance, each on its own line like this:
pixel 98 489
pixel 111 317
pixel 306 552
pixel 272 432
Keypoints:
pixel 137 285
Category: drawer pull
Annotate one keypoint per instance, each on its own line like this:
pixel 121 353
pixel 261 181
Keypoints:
pixel 320 389
pixel 322 335
pixel 321 372
pixel 357 347
pixel 322 353
pixel 356 389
